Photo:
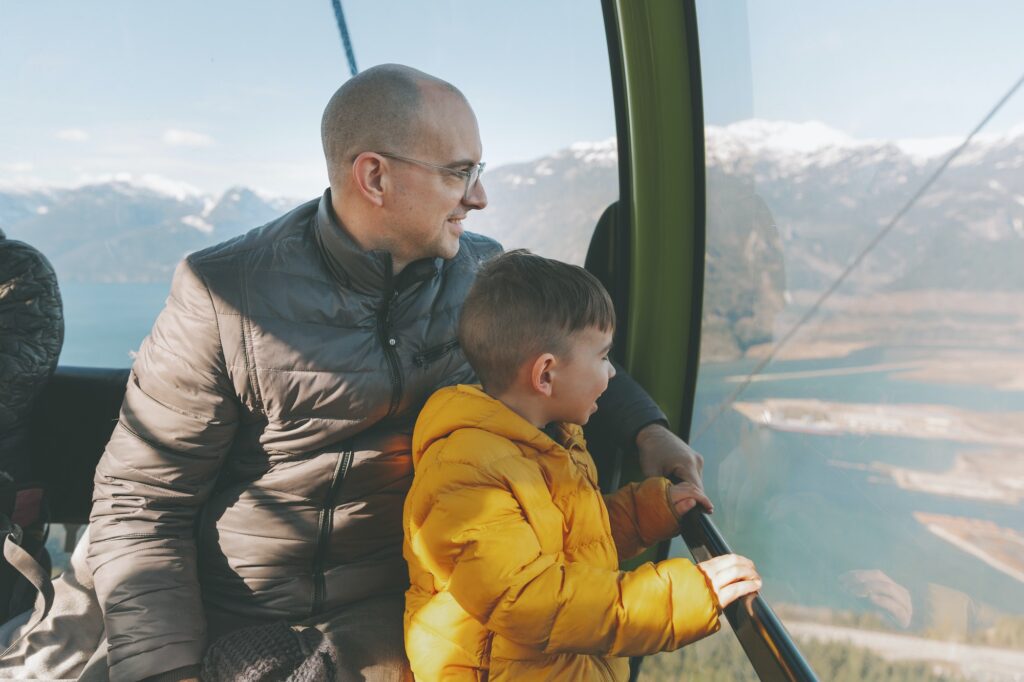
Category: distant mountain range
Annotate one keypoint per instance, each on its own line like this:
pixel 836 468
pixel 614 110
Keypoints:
pixel 830 194
pixel 789 205
pixel 125 231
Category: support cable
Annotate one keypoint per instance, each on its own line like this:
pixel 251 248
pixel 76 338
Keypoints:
pixel 346 40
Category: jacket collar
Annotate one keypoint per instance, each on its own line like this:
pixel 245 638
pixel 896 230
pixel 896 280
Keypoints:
pixel 464 406
pixel 368 272
pixel 569 436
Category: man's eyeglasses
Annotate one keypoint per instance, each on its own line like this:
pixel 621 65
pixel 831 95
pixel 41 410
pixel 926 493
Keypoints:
pixel 471 175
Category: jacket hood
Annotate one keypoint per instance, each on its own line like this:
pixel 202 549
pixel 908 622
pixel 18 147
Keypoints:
pixel 468 407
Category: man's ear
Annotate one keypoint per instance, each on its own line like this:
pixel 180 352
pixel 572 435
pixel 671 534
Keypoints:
pixel 541 374
pixel 369 175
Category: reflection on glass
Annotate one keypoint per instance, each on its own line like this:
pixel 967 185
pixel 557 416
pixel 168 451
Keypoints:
pixel 874 468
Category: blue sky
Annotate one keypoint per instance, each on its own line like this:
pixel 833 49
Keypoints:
pixel 230 92
pixel 871 68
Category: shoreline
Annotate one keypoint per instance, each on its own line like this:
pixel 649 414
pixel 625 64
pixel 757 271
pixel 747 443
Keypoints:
pixel 973 660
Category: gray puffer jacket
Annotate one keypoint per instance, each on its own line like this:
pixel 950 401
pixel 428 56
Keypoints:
pixel 267 421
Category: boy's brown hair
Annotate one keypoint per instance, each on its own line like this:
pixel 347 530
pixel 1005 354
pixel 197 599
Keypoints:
pixel 521 305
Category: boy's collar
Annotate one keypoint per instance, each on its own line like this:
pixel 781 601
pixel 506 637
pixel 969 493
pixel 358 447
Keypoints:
pixel 513 425
pixel 567 435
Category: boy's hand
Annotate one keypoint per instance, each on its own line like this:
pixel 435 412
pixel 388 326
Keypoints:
pixel 663 453
pixel 731 576
pixel 684 496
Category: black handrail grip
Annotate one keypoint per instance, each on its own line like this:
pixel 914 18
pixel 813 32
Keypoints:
pixel 771 650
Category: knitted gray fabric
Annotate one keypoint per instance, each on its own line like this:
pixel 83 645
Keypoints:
pixel 272 652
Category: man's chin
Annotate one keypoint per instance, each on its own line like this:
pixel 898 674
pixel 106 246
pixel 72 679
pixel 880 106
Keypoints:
pixel 451 250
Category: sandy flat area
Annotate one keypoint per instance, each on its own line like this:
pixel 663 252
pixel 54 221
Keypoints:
pixel 989 475
pixel 968 337
pixel 908 420
pixel 802 375
pixel 1001 548
pixel 976 662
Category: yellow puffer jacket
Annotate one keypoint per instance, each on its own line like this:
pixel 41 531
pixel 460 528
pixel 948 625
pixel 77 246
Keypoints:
pixel 513 554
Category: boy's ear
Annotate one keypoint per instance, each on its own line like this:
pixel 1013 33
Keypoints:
pixel 541 374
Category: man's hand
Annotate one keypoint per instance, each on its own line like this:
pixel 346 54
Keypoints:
pixel 663 453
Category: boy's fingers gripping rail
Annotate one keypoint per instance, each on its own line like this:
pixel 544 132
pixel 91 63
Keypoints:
pixel 731 576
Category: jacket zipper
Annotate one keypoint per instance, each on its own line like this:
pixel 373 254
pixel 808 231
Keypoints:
pixel 390 342
pixel 434 354
pixel 326 525
pixel 485 674
pixel 603 662
pixel 583 469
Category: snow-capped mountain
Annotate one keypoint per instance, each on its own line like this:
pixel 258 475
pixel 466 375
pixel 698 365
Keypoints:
pixel 552 204
pixel 829 194
pixel 129 229
pixel 789 205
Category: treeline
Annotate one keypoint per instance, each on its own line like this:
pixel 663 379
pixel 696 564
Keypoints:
pixel 1001 631
pixel 721 659
pixel 1006 633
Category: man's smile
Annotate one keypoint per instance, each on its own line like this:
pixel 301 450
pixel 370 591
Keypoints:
pixel 456 222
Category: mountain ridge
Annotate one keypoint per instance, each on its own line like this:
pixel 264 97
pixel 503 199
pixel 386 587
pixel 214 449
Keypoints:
pixel 788 206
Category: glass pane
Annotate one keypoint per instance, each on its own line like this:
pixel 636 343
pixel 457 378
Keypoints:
pixel 137 133
pixel 860 400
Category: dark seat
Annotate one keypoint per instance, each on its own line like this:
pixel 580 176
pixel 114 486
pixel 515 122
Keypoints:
pixel 608 260
pixel 70 425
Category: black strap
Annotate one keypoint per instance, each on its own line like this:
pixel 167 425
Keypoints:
pixel 24 564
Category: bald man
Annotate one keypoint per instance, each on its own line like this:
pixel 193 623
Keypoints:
pixel 260 462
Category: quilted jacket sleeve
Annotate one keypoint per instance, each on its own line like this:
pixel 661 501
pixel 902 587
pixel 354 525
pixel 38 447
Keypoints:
pixel 31 334
pixel 640 516
pixel 476 537
pixel 177 421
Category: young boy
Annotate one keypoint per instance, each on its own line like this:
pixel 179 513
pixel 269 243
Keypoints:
pixel 513 552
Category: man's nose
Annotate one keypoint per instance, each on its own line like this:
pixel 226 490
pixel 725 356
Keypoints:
pixel 611 371
pixel 477 196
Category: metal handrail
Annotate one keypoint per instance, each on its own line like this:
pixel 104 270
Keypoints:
pixel 770 648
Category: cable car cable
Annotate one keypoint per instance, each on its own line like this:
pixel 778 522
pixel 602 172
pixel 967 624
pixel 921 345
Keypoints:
pixel 813 310
pixel 346 40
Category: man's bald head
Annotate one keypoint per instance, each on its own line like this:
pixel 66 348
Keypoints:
pixel 376 110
